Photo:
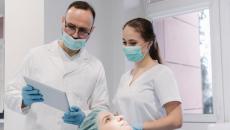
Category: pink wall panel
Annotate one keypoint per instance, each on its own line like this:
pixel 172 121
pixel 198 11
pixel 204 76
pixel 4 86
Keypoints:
pixel 181 42
pixel 189 82
pixel 178 38
pixel 191 18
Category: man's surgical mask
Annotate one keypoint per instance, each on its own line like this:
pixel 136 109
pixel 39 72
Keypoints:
pixel 71 43
pixel 133 53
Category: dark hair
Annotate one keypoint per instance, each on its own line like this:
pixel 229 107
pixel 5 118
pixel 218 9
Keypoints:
pixel 145 28
pixel 83 5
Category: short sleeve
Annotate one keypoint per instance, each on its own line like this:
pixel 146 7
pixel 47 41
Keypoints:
pixel 166 87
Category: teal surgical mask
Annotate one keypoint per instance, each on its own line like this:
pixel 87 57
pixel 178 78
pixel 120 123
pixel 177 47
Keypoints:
pixel 71 43
pixel 133 53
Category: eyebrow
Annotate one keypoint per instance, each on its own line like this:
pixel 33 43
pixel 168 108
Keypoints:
pixel 130 40
pixel 71 24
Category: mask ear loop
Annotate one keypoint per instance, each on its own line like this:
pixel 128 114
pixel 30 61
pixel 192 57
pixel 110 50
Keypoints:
pixel 149 44
pixel 154 43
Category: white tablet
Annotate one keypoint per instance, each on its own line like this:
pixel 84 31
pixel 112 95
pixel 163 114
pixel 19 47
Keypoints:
pixel 52 97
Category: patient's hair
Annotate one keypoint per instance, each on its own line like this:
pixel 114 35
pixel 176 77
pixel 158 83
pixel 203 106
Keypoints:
pixel 91 121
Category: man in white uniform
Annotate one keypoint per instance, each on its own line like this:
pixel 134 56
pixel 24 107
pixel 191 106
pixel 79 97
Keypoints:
pixel 67 66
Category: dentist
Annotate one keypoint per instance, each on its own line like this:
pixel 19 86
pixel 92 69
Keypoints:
pixel 148 95
pixel 66 65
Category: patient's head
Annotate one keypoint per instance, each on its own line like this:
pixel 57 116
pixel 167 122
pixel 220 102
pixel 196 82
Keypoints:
pixel 103 120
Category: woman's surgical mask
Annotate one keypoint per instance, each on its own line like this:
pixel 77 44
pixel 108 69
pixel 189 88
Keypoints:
pixel 71 43
pixel 133 53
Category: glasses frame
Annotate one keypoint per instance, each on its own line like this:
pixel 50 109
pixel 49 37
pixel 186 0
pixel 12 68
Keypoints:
pixel 74 29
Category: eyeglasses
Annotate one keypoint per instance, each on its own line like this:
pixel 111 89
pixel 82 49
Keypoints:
pixel 82 32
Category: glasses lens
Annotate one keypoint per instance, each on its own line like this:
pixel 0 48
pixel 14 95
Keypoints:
pixel 82 32
pixel 70 28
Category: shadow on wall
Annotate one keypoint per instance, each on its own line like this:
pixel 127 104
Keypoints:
pixel 1 26
pixel 2 115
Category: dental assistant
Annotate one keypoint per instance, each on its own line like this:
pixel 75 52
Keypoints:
pixel 65 65
pixel 148 95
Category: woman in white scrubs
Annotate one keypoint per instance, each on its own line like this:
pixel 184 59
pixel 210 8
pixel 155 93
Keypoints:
pixel 148 96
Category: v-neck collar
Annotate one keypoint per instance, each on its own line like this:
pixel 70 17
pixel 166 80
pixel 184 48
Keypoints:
pixel 58 56
pixel 130 79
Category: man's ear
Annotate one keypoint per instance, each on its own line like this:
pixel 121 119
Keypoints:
pixel 63 19
pixel 92 29
pixel 63 22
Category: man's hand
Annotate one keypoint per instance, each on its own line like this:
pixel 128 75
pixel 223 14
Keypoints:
pixel 30 95
pixel 74 116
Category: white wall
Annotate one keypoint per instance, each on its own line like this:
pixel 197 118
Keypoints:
pixel 53 11
pixel 24 29
pixel 1 7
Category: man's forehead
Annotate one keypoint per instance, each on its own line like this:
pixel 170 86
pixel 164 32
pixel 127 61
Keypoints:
pixel 79 16
pixel 77 11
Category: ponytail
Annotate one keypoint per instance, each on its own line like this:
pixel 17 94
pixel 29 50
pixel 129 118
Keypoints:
pixel 154 52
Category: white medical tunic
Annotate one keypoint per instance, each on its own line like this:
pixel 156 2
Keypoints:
pixel 143 100
pixel 82 77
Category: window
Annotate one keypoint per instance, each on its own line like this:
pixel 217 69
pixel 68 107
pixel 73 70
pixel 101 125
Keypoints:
pixel 184 42
pixel 188 34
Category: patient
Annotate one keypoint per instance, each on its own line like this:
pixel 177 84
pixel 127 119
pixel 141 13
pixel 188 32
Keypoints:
pixel 103 120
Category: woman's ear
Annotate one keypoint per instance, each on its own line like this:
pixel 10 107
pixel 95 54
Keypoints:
pixel 150 44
